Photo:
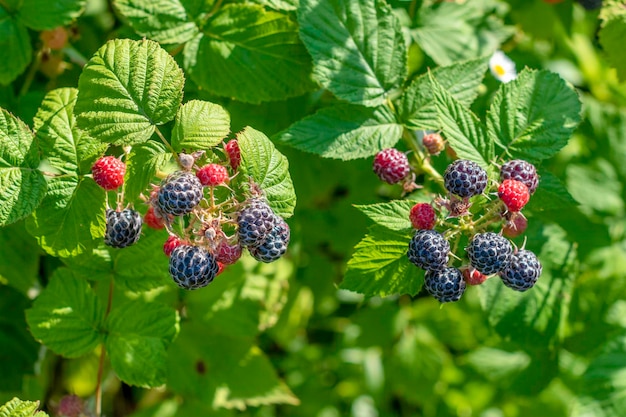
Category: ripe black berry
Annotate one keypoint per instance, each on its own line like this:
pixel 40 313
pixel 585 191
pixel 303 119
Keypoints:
pixel 192 267
pixel 522 271
pixel 521 171
pixel 428 250
pixel 180 192
pixel 445 285
pixel 489 252
pixel 123 228
pixel 465 178
pixel 275 244
pixel 255 222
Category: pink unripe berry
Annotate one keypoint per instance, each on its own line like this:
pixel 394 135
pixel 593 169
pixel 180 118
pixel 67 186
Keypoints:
pixel 473 276
pixel 171 243
pixel 228 254
pixel 212 175
pixel 70 406
pixel 514 194
pixel 434 144
pixel 391 165
pixel 515 226
pixel 234 154
pixel 153 220
pixel 423 216
pixel 108 172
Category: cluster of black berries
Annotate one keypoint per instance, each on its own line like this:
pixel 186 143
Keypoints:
pixel 200 207
pixel 488 253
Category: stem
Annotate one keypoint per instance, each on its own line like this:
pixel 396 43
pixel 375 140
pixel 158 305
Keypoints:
pixel 412 9
pixel 423 163
pixel 30 76
pixel 102 355
pixel 165 142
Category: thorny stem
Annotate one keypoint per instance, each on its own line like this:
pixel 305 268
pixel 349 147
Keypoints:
pixel 102 355
pixel 489 217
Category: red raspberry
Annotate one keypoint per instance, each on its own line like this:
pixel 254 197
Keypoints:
pixel 514 194
pixel 433 142
pixel 473 276
pixel 422 216
pixel 70 406
pixel 234 154
pixel 171 243
pixel 391 165
pixel 212 174
pixel 515 226
pixel 228 254
pixel 153 220
pixel 108 172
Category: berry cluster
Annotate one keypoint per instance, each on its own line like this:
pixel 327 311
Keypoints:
pixel 208 216
pixel 487 253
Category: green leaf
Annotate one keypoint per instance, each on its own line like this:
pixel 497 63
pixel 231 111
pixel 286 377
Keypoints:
pixel 250 54
pixel 463 130
pixel 451 32
pixel 226 371
pixel 612 36
pixel 533 116
pixel 45 14
pixel 22 186
pixel 344 131
pixel 393 215
pixel 70 217
pixel 462 79
pixel 142 163
pixel 164 21
pixel 550 195
pixel 126 89
pixel 19 350
pixel 200 125
pixel 67 317
pixel 15 49
pixel 286 5
pixel 137 347
pixel 357 47
pixel 19 408
pixel 595 185
pixel 269 168
pixel 497 365
pixel 64 146
pixel 19 257
pixel 534 319
pixel 379 265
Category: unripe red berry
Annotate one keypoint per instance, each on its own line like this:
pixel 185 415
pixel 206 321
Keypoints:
pixel 391 165
pixel 228 254
pixel 234 154
pixel 171 243
pixel 473 276
pixel 515 225
pixel 212 175
pixel 433 142
pixel 108 172
pixel 514 194
pixel 423 216
pixel 54 39
pixel 153 220
pixel 70 406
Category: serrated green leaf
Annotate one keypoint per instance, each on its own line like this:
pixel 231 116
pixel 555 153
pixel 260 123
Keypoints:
pixel 19 257
pixel 19 408
pixel 533 116
pixel 45 14
pixel 379 265
pixel 227 371
pixel 67 317
pixel 138 347
pixel 286 5
pixel 200 125
pixel 612 36
pixel 450 32
pixel 15 49
pixel 64 146
pixel 550 195
pixel 250 54
pixel 22 185
pixel 142 163
pixel 534 318
pixel 70 217
pixel 463 130
pixel 165 21
pixel 344 131
pixel 393 215
pixel 269 168
pixel 357 47
pixel 19 350
pixel 417 109
pixel 126 89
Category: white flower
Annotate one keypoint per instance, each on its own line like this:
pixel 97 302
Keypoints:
pixel 502 67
